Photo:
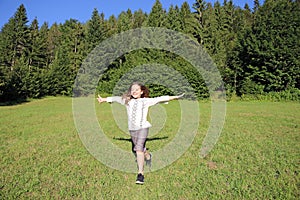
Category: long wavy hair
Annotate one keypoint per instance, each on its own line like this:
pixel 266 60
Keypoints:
pixel 127 96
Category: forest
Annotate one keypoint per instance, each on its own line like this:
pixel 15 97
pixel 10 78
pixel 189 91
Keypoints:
pixel 256 50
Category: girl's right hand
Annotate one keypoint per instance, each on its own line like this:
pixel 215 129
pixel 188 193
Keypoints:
pixel 180 96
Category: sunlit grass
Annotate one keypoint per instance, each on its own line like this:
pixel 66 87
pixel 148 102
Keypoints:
pixel 256 157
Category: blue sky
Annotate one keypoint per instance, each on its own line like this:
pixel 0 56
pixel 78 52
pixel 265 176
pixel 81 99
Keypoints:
pixel 61 10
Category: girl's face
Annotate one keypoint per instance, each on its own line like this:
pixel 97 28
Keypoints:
pixel 136 91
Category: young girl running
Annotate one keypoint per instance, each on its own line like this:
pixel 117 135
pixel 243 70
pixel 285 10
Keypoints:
pixel 137 102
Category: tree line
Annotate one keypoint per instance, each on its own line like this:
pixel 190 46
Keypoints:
pixel 257 51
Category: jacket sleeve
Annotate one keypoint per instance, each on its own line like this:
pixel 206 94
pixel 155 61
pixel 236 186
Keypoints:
pixel 116 99
pixel 156 100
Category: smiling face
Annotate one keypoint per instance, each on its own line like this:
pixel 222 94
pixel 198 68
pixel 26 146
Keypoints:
pixel 136 91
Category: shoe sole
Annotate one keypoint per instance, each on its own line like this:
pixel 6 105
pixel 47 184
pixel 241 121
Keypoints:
pixel 139 182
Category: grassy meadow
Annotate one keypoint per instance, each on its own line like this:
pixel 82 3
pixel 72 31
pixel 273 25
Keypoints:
pixel 256 157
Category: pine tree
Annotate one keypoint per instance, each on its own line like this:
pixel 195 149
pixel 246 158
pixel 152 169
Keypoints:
pixel 217 38
pixel 242 25
pixel 15 36
pixel 111 25
pixel 37 49
pixel 139 18
pixel 173 20
pixel 269 54
pixel 157 15
pixel 256 5
pixel 21 34
pixel 189 23
pixel 95 32
pixel 68 58
pixel 7 45
pixel 43 44
pixel 200 6
pixel 14 52
pixel 125 21
pixel 37 60
pixel 53 42
pixel 209 28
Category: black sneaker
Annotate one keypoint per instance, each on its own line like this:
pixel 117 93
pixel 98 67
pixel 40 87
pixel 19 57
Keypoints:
pixel 140 179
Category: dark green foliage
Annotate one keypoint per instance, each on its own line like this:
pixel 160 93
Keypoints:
pixel 14 48
pixel 256 51
pixel 157 15
pixel 154 79
pixel 125 21
pixel 189 23
pixel 37 46
pixel 95 31
pixel 268 54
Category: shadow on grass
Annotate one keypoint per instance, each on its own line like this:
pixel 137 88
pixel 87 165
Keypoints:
pixel 148 139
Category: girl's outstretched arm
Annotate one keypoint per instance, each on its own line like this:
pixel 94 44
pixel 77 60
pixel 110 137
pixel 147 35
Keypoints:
pixel 117 99
pixel 175 97
pixel 162 99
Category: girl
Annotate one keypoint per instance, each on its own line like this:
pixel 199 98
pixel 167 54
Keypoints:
pixel 137 102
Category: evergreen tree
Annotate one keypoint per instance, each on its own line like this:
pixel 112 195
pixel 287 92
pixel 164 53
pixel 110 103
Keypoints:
pixel 95 32
pixel 43 41
pixel 15 36
pixel 37 60
pixel 256 5
pixel 243 23
pixel 209 28
pixel 53 42
pixel 6 60
pixel 125 21
pixel 173 20
pixel 111 26
pixel 38 41
pixel 157 15
pixel 14 51
pixel 217 38
pixel 139 18
pixel 199 6
pixel 7 46
pixel 21 33
pixel 269 54
pixel 68 58
pixel 189 23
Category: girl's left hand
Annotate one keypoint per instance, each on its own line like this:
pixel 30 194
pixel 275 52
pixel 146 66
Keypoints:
pixel 100 99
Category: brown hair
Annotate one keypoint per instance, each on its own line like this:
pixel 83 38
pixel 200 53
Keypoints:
pixel 127 96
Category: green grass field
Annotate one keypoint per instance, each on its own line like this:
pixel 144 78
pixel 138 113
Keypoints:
pixel 256 157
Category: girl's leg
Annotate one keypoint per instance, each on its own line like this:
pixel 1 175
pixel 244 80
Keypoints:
pixel 140 161
pixel 146 152
pixel 139 144
pixel 133 142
